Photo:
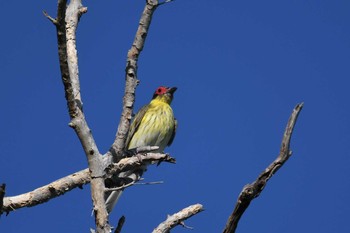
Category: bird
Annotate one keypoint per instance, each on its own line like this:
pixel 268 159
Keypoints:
pixel 153 125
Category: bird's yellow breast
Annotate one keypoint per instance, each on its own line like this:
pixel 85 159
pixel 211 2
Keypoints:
pixel 156 126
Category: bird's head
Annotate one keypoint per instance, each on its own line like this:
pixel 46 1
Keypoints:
pixel 164 94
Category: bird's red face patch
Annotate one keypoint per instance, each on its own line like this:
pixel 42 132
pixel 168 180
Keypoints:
pixel 161 90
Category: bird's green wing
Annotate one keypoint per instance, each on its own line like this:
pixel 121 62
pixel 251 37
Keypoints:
pixel 174 132
pixel 135 124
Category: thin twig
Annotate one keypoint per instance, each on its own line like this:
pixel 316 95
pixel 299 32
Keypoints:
pixel 253 190
pixel 54 21
pixel 149 183
pixel 185 226
pixel 131 184
pixel 178 218
pixel 166 1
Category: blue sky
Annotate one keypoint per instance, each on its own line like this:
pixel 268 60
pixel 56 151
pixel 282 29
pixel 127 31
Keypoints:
pixel 240 68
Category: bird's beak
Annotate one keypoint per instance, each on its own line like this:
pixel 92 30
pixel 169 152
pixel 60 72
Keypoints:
pixel 172 90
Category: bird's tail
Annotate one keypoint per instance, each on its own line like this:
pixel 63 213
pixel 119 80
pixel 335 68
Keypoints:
pixel 112 197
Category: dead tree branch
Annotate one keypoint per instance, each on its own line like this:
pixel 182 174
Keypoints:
pixel 178 218
pixel 119 227
pixel 136 161
pixel 78 179
pixel 117 150
pixel 131 79
pixel 253 190
pixel 47 192
pixel 2 194
pixel 66 25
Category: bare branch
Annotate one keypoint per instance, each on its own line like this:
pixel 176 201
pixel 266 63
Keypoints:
pixel 131 79
pixel 122 187
pixel 253 190
pixel 166 1
pixel 134 162
pixel 72 84
pixel 178 218
pixel 54 21
pixel 2 194
pixel 117 150
pixel 67 23
pixel 121 221
pixel 65 184
pixel 142 149
pixel 47 192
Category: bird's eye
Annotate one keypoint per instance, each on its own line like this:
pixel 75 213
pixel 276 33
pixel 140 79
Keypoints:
pixel 159 90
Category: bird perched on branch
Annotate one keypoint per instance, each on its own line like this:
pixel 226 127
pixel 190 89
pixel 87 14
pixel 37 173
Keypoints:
pixel 153 125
